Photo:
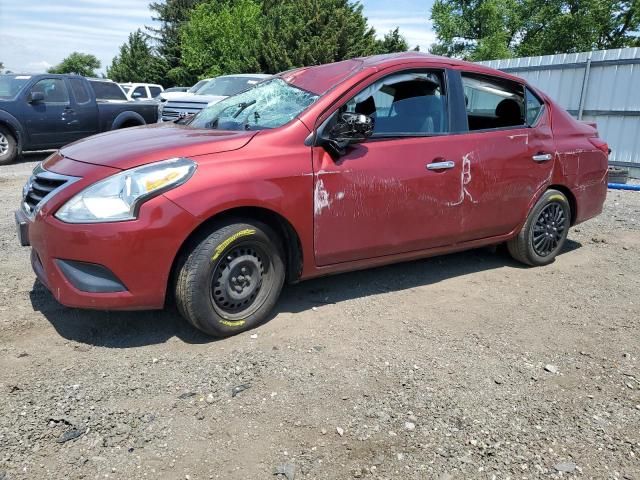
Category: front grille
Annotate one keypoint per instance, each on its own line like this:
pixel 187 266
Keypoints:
pixel 40 187
pixel 172 110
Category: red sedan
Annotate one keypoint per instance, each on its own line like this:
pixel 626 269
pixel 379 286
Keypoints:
pixel 317 171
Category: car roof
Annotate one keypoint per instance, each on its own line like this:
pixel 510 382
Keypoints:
pixel 322 78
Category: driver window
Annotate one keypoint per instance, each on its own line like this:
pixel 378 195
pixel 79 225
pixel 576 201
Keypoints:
pixel 404 104
pixel 53 89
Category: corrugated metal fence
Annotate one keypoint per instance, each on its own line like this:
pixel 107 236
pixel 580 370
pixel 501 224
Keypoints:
pixel 601 86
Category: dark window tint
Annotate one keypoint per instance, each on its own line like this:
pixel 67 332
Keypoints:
pixel 534 107
pixel 107 91
pixel 53 89
pixel 155 91
pixel 139 92
pixel 492 102
pixel 410 103
pixel 79 89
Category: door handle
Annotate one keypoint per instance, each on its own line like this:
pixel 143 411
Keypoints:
pixel 445 165
pixel 542 157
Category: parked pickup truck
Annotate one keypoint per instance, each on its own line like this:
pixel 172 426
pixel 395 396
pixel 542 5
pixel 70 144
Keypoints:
pixel 41 112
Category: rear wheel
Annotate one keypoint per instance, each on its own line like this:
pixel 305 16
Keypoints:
pixel 231 279
pixel 8 146
pixel 545 231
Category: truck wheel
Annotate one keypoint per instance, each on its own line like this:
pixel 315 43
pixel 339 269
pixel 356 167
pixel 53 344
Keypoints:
pixel 545 231
pixel 8 146
pixel 231 280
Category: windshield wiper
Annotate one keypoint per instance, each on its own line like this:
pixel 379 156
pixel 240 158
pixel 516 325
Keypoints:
pixel 242 107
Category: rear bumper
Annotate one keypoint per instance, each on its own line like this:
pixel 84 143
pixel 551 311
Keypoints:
pixel 110 266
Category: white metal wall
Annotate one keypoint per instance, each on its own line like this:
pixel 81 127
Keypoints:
pixel 601 86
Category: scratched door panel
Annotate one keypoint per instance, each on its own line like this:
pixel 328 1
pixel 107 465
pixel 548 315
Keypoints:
pixel 503 178
pixel 380 199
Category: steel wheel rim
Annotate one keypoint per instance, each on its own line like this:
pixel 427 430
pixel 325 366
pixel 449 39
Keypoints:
pixel 237 281
pixel 4 144
pixel 549 229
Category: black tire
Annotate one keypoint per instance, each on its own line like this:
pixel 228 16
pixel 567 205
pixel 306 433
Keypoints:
pixel 8 146
pixel 545 231
pixel 231 279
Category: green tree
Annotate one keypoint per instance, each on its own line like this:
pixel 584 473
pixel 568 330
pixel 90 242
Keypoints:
pixel 488 29
pixel 171 15
pixel 83 64
pixel 235 36
pixel 392 42
pixel 310 32
pixel 137 62
pixel 222 38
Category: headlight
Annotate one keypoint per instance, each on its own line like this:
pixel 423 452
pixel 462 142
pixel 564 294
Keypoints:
pixel 119 196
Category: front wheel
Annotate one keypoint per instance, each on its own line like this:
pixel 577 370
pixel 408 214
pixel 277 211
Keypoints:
pixel 8 147
pixel 231 279
pixel 545 231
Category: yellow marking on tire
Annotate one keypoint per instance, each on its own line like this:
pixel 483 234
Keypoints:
pixel 220 248
pixel 232 323
pixel 557 197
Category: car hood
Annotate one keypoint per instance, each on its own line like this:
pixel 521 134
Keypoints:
pixel 132 147
pixel 204 99
pixel 175 95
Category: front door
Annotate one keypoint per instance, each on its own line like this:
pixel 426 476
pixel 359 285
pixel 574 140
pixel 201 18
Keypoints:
pixel 47 121
pixel 399 191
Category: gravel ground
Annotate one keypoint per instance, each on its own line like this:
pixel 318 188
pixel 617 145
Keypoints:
pixel 463 366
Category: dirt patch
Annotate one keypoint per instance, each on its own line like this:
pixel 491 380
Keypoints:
pixel 463 366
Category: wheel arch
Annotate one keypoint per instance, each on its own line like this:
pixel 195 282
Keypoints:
pixel 128 117
pixel 282 226
pixel 570 197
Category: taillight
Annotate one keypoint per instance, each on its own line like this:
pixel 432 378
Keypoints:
pixel 600 145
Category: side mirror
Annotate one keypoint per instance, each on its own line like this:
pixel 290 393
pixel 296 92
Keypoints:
pixel 36 97
pixel 136 95
pixel 350 128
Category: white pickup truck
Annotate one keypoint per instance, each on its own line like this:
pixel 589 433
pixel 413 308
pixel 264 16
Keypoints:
pixel 141 91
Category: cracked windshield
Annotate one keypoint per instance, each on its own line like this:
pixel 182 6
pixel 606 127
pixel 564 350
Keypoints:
pixel 270 104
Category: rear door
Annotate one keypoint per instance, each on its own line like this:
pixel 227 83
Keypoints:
pixel 509 155
pixel 83 119
pixel 399 191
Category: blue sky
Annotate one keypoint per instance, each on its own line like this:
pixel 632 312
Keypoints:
pixel 35 34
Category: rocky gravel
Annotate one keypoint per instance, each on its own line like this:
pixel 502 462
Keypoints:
pixel 462 366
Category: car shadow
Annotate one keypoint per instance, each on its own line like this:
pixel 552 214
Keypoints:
pixel 134 329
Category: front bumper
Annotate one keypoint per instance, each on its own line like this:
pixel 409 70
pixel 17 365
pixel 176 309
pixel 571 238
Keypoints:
pixel 137 255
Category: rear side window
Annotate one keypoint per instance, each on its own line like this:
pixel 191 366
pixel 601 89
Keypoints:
pixel 139 92
pixel 493 102
pixel 107 91
pixel 79 90
pixel 534 107
pixel 404 104
pixel 155 91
